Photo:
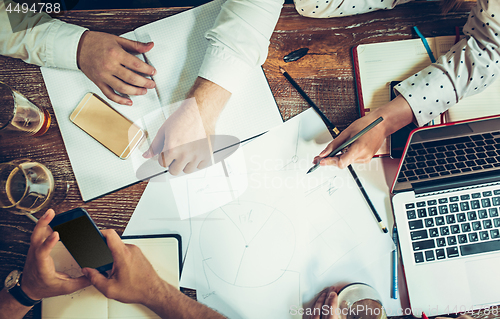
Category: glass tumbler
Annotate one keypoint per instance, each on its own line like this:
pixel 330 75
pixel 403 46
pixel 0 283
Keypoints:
pixel 25 186
pixel 358 301
pixel 18 115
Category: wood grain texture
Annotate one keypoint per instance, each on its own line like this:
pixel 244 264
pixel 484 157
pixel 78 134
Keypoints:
pixel 325 73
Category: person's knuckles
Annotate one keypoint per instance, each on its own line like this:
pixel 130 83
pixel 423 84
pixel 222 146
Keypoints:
pixel 176 167
pixel 115 98
pixel 174 171
pixel 344 164
pixel 132 78
pixel 189 170
pixel 114 52
pixel 191 167
pixel 121 87
pixel 330 161
pixel 174 152
pixel 138 64
pixel 118 99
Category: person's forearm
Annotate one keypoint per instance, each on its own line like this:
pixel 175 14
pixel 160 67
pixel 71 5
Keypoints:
pixel 10 308
pixel 37 38
pixel 397 114
pixel 169 302
pixel 211 99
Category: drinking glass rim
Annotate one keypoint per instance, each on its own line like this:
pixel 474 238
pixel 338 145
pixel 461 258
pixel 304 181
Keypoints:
pixel 16 166
pixel 17 163
pixel 379 298
pixel 13 104
pixel 352 284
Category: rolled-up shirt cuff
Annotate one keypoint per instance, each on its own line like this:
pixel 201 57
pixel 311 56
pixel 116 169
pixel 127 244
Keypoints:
pixel 223 69
pixel 428 92
pixel 62 45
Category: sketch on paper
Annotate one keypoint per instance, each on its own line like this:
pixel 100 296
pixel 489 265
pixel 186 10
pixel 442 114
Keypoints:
pixel 295 158
pixel 288 229
pixel 250 245
pixel 286 237
pixel 212 187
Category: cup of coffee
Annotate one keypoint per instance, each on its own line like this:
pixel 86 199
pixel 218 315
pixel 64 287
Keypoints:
pixel 358 301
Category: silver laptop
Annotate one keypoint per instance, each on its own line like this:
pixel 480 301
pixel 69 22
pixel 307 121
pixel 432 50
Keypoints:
pixel 447 210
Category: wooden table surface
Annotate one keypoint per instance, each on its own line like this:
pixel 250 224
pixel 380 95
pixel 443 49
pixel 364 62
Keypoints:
pixel 325 73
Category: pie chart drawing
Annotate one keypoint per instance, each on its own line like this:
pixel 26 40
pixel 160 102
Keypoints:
pixel 247 244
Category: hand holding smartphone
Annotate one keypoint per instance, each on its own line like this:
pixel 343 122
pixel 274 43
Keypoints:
pixel 82 238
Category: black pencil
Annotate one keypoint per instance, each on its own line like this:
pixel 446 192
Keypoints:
pixel 328 123
pixel 336 132
pixel 365 195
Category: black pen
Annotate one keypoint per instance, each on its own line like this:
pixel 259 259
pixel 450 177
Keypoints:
pixel 328 123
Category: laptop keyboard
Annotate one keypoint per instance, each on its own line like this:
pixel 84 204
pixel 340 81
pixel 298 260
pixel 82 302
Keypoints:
pixel 454 226
pixel 450 157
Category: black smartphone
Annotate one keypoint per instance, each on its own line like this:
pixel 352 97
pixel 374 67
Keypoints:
pixel 82 239
pixel 397 141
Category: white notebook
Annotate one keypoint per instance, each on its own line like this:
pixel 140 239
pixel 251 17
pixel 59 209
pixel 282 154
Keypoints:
pixel 377 64
pixel 88 303
pixel 177 55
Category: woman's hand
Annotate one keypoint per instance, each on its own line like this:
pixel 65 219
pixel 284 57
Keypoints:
pixel 396 114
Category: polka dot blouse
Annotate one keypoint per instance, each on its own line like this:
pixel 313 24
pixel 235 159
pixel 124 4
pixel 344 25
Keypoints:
pixel 468 68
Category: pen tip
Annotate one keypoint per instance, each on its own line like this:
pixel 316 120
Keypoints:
pixel 385 230
pixel 281 70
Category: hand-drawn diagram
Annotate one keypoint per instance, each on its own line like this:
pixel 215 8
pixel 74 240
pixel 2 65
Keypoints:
pixel 295 157
pixel 207 189
pixel 250 245
pixel 289 233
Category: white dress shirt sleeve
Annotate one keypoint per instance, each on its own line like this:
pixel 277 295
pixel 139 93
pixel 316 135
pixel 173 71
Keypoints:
pixel 467 69
pixel 38 39
pixel 239 40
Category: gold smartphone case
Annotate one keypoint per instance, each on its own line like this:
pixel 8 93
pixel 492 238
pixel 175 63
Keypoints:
pixel 110 128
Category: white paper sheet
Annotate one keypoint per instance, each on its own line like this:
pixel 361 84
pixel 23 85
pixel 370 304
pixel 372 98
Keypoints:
pixel 315 226
pixel 208 189
pixel 151 216
pixel 89 303
pixel 177 56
